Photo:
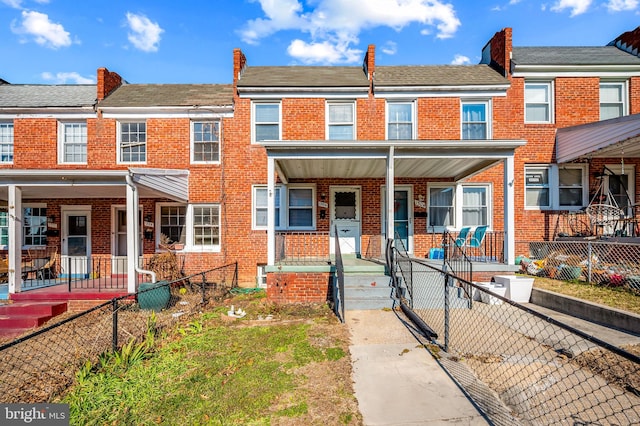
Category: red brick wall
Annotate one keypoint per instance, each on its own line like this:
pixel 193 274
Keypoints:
pixel 298 287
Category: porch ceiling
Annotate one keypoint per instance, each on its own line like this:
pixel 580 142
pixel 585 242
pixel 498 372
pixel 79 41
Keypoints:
pixel 618 137
pixel 413 159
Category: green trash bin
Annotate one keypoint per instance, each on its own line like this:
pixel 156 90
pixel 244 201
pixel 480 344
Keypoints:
pixel 154 296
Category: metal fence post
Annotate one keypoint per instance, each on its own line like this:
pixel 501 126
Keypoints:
pixel 114 315
pixel 446 312
pixel 589 261
pixel 69 272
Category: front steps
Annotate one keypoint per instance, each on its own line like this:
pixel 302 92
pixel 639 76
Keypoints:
pixel 20 317
pixel 366 287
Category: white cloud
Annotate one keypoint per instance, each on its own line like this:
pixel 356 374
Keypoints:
pixel 16 4
pixel 577 6
pixel 390 48
pixel 333 25
pixel 621 5
pixel 66 77
pixel 144 34
pixel 460 60
pixel 43 31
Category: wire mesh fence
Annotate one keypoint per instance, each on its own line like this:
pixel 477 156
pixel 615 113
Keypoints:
pixel 37 367
pixel 519 366
pixel 612 264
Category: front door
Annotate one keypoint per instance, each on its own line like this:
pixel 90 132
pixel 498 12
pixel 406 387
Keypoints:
pixel 119 244
pixel 345 217
pixel 75 255
pixel 402 217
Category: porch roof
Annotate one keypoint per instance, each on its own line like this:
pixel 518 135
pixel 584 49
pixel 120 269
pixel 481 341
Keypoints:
pixel 44 184
pixel 449 159
pixel 602 139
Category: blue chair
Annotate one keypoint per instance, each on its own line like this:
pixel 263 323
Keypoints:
pixel 477 239
pixel 461 239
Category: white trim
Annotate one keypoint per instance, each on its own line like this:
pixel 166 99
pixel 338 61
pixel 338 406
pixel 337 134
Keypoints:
pixel 488 105
pixel 280 190
pixel 550 102
pixel 460 202
pixel 553 186
pixel 58 116
pixel 440 229
pixel 192 141
pixel 312 187
pixel 62 127
pixel 414 116
pixel 253 119
pixel 624 85
pixel 119 160
pixel 328 124
pixel 345 224
pixel 189 245
pixel 410 211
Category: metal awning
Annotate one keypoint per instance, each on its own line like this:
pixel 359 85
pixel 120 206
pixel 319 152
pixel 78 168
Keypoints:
pixel 618 137
pixel 45 184
pixel 445 159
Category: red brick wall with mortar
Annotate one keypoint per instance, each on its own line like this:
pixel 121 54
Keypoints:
pixel 283 287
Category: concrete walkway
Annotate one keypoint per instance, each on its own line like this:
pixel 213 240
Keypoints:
pixel 397 381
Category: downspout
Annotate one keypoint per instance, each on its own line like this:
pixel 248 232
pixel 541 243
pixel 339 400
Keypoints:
pixel 135 224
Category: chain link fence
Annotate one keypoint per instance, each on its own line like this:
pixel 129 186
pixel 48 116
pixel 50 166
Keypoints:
pixel 611 264
pixel 519 366
pixel 37 367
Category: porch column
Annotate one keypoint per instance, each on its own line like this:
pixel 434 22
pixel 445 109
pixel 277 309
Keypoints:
pixel 509 211
pixel 390 193
pixel 271 211
pixel 132 238
pixel 15 238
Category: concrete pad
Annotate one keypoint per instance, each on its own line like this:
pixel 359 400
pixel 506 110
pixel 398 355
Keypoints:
pixel 397 381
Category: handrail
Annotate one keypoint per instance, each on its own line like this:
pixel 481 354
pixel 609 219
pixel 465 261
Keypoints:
pixel 338 301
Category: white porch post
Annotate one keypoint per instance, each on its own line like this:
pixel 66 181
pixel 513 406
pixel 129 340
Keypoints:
pixel 509 211
pixel 132 238
pixel 271 212
pixel 390 193
pixel 15 238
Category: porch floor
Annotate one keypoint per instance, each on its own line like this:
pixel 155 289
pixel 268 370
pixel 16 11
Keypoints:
pixel 59 290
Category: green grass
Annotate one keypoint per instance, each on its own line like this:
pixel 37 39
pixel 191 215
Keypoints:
pixel 209 373
pixel 615 297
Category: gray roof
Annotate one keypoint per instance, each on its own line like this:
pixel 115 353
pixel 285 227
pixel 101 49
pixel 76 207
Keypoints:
pixel 46 96
pixel 603 55
pixel 299 76
pixel 438 75
pixel 168 95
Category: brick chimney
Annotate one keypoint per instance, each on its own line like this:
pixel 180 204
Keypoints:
pixel 108 81
pixel 239 64
pixel 629 42
pixel 497 52
pixel 369 66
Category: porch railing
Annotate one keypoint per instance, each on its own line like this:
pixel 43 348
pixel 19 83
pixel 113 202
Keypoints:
pixel 303 247
pixel 338 288
pixel 100 272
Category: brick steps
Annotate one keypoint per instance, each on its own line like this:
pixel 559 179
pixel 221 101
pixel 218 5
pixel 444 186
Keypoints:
pixel 19 317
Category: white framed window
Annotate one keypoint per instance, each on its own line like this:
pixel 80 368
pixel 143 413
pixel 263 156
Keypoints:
pixel 454 206
pixel 613 99
pixel 205 142
pixel 295 208
pixel 260 200
pixel 475 205
pixel 400 120
pixel 6 142
pixel 266 121
pixel 132 142
pixel 72 142
pixel 261 276
pixel 197 226
pixel 340 121
pixel 441 207
pixel 34 229
pixel 475 120
pixel 538 102
pixel 557 187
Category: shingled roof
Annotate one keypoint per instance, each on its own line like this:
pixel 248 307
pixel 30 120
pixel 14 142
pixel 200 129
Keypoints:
pixel 571 55
pixel 299 76
pixel 169 95
pixel 46 96
pixel 437 75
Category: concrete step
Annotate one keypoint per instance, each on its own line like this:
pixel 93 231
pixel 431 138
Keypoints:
pixel 16 318
pixel 367 292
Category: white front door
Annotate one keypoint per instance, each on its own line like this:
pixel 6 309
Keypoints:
pixel 119 243
pixel 345 217
pixel 75 258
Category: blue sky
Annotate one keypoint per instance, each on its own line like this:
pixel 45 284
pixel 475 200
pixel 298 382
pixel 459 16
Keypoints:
pixel 192 41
